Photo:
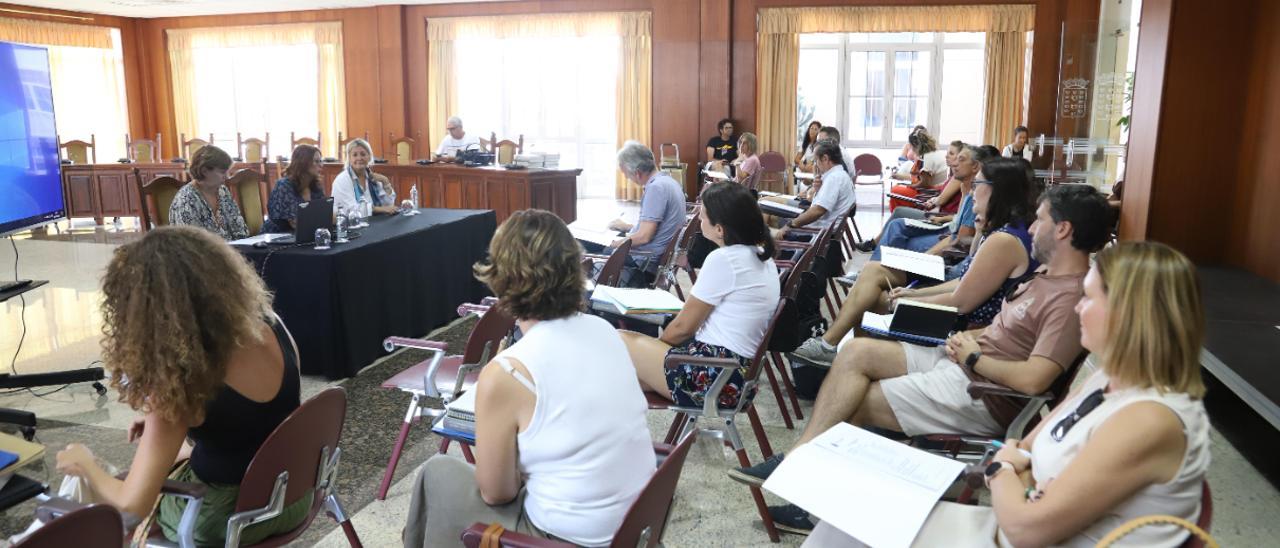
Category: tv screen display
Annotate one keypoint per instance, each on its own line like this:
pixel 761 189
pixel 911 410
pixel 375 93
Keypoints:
pixel 30 180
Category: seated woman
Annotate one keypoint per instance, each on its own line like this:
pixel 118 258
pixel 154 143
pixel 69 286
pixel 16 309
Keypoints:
pixel 206 202
pixel 358 187
pixel 192 344
pixel 1005 207
pixel 748 160
pixel 301 183
pixel 562 445
pixel 961 217
pixel 804 156
pixel 728 309
pixel 928 171
pixel 1088 473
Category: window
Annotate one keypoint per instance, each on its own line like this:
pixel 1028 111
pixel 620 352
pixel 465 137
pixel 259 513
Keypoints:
pixel 89 97
pixel 876 87
pixel 233 93
pixel 522 86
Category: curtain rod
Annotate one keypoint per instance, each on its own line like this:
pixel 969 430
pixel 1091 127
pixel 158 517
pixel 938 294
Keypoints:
pixel 27 12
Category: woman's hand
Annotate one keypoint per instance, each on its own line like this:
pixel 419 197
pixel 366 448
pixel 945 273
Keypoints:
pixel 899 293
pixel 930 204
pixel 1011 454
pixel 136 428
pixel 75 460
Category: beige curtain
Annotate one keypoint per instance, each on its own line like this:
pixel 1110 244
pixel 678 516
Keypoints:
pixel 778 56
pixel 44 33
pixel 442 81
pixel 1005 52
pixel 330 87
pixel 89 98
pixel 635 99
pixel 777 74
pixel 635 62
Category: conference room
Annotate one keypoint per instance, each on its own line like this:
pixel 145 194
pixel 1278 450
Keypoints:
pixel 292 272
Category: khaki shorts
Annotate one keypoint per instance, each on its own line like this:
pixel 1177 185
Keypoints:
pixel 933 397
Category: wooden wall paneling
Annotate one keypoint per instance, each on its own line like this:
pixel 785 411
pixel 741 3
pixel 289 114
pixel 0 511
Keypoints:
pixel 1144 128
pixel 415 74
pixel 391 77
pixel 715 64
pixel 1255 224
pixel 360 45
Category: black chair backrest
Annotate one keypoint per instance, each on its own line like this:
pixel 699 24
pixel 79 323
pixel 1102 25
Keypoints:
pixel 94 526
pixel 645 521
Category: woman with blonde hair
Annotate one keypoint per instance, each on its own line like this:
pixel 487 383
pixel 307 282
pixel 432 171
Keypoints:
pixel 562 445
pixel 191 342
pixel 748 156
pixel 358 187
pixel 1131 441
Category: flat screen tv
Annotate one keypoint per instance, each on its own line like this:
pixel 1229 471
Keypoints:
pixel 30 176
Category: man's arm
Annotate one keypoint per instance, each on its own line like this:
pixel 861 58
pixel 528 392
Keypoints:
pixel 643 235
pixel 810 215
pixel 1031 376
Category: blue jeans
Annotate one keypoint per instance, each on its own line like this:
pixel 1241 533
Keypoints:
pixel 902 236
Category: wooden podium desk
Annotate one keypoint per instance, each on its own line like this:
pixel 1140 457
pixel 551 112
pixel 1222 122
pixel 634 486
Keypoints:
pixel 108 190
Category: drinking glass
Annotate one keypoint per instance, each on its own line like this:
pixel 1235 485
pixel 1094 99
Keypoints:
pixel 322 238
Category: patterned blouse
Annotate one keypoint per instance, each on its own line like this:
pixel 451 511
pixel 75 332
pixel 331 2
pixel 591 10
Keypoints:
pixel 190 208
pixel 282 206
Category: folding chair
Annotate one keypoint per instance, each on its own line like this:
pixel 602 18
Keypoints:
pixel 440 379
pixel 686 418
pixel 643 524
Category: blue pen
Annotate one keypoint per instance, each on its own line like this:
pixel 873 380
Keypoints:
pixel 912 284
pixel 998 444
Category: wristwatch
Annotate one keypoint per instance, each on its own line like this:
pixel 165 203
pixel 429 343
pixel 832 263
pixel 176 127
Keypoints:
pixel 972 359
pixel 994 469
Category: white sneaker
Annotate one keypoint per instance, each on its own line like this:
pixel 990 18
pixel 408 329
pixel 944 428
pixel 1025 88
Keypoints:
pixel 816 351
pixel 848 279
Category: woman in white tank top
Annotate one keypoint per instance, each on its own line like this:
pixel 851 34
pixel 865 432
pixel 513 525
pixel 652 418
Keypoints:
pixel 562 445
pixel 1132 441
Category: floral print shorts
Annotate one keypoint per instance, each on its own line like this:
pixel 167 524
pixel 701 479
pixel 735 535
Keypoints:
pixel 689 383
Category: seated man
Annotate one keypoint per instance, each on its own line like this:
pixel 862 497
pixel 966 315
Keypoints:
pixel 960 231
pixel 455 141
pixel 834 196
pixel 661 214
pixel 920 390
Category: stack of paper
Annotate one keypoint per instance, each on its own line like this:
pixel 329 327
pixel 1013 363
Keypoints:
pixel 460 414
pixel 531 159
pixel 551 160
pixel 876 490
pixel 638 301
pixel 923 264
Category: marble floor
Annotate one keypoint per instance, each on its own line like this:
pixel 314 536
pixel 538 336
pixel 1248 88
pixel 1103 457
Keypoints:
pixel 59 328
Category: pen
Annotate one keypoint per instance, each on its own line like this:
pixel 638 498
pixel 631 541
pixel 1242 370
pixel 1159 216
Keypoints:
pixel 913 284
pixel 998 444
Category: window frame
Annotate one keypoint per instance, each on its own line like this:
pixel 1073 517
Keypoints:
pixel 936 48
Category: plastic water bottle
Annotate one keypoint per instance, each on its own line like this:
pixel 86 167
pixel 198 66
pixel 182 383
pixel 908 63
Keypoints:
pixel 342 229
pixel 413 197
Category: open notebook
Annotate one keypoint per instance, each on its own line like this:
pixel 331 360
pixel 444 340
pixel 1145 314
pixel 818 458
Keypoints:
pixel 914 321
pixel 780 210
pixel 638 301
pixel 923 264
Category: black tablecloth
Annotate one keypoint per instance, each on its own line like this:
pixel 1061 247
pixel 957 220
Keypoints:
pixel 402 276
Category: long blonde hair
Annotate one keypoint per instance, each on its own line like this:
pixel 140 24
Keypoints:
pixel 1155 317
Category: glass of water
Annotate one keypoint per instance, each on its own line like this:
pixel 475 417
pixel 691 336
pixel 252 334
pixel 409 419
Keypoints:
pixel 406 208
pixel 323 238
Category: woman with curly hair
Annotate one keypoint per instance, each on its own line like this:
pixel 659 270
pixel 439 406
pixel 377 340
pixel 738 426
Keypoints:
pixel 562 445
pixel 191 342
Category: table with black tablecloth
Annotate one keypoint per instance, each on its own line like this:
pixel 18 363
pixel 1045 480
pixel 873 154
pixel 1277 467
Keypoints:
pixel 402 276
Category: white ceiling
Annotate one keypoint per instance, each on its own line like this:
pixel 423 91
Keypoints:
pixel 179 8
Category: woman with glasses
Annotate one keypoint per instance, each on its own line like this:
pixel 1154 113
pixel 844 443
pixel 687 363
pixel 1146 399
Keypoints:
pixel 1132 441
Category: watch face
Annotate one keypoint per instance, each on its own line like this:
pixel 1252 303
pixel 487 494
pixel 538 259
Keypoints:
pixel 992 469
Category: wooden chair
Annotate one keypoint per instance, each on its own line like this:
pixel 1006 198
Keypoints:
pixel 250 189
pixel 156 195
pixel 643 524
pixel 91 526
pixel 404 151
pixel 253 149
pixel 143 150
pixel 611 273
pixel 342 145
pixel 295 141
pixel 190 146
pixel 80 152
pixel 675 257
pixel 868 165
pixel 773 172
pixel 505 151
pixel 443 377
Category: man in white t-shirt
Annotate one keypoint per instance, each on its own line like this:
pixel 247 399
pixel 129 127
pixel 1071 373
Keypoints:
pixel 456 140
pixel 835 191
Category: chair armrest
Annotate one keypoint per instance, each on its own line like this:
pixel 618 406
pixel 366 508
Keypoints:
pixel 391 343
pixel 175 487
pixel 974 475
pixel 804 230
pixel 979 389
pixel 56 507
pixel 726 366
pixel 471 539
pixel 595 256
pixel 678 359
pixel 785 244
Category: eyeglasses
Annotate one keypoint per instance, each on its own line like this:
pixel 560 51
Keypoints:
pixel 1091 402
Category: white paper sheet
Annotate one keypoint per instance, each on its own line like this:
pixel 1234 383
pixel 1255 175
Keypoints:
pixel 717 175
pixel 638 299
pixel 602 236
pixel 871 320
pixel 876 490
pixel 925 225
pixel 930 266
pixel 766 205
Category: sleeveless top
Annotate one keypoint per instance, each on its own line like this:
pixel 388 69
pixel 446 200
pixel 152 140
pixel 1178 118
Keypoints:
pixel 1179 497
pixel 235 426
pixel 586 453
pixel 985 312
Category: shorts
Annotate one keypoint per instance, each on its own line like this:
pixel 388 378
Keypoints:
pixel 933 397
pixel 689 383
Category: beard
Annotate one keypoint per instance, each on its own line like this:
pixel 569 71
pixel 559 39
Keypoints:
pixel 1041 249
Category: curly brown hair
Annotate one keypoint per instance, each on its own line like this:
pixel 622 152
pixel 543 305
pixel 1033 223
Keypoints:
pixel 534 267
pixel 206 158
pixel 176 305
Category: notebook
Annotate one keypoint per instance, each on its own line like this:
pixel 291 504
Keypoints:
pixel 915 322
pixel 923 225
pixel 460 414
pixel 780 210
pixel 923 264
pixel 17 452
pixel 907 199
pixel 638 301
pixel 594 235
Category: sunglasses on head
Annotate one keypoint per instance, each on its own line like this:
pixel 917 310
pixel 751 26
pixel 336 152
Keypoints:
pixel 1091 402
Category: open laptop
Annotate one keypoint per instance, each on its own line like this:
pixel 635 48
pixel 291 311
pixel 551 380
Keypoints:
pixel 311 216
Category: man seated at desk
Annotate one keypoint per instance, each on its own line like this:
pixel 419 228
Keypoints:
pixel 457 140
pixel 661 214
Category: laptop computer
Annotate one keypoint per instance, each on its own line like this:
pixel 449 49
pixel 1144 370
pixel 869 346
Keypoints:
pixel 311 216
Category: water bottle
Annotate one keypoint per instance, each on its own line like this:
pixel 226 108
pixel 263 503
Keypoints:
pixel 341 228
pixel 413 197
pixel 366 209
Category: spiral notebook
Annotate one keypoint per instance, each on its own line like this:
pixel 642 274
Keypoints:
pixel 914 322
